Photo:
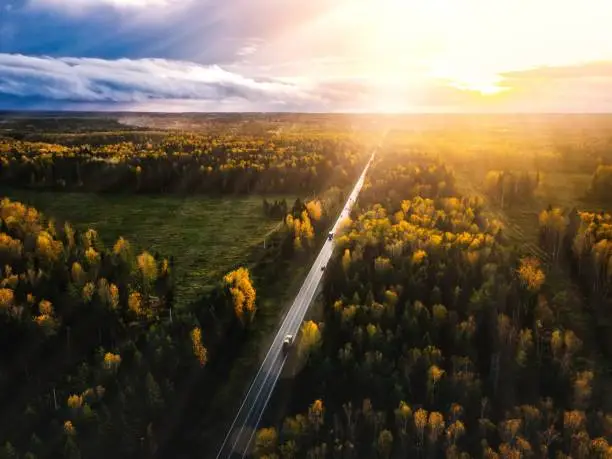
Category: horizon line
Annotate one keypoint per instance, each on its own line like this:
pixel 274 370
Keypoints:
pixel 339 113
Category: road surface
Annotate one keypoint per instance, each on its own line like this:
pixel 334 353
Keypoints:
pixel 242 431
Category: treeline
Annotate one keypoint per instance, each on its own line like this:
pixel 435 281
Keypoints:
pixel 395 179
pixel 439 341
pixel 186 163
pixel 508 187
pixel 276 209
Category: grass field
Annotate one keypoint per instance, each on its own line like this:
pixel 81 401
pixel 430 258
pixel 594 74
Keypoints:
pixel 207 236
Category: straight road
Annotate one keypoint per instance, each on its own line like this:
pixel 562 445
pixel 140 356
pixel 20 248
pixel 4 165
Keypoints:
pixel 242 431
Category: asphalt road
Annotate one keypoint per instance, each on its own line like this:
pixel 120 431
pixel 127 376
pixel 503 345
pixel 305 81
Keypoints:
pixel 242 431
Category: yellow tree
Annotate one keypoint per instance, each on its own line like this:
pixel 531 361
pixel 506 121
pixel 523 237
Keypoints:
pixel 306 227
pixel 553 226
pixel 385 443
pixel 88 291
pixel 403 413
pixel 198 349
pixel 148 269
pixel 530 274
pixel 135 304
pixel 420 422
pixel 310 338
pixel 436 425
pixel 47 248
pixel 266 441
pixel 112 361
pixel 69 429
pixel 583 389
pixel 243 294
pixel 315 210
pixel 316 411
pixel 346 260
pixel 7 299
pixel 434 375
pixel 46 319
pixel 122 248
pixel 77 273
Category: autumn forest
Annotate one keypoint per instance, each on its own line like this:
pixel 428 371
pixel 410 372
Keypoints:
pixel 465 312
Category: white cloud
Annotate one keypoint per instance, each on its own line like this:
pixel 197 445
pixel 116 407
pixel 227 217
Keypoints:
pixel 134 10
pixel 167 85
pixel 133 81
pixel 82 4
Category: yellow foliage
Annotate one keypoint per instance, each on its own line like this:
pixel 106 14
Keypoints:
pixel 165 267
pixel 530 273
pixel 47 322
pixel 435 373
pixel 297 243
pixel 420 419
pixel 147 266
pixel 382 264
pixel 573 420
pixel 7 298
pixel 47 248
pixel 92 256
pixel 418 256
pixel 69 232
pixel 391 297
pixel 90 237
pixel 113 296
pixel 582 388
pixel 135 303
pixel 404 410
pixel 316 412
pixel 11 281
pixel 112 361
pixel 69 428
pixel 346 260
pixel 198 349
pixel 455 431
pixel 77 273
pixel 435 424
pixel 242 292
pixel 315 210
pixel 75 401
pixel 601 447
pixel 266 441
pixel 10 246
pixel 45 307
pixel 121 247
pixel 88 291
pixel 306 228
pixel 310 337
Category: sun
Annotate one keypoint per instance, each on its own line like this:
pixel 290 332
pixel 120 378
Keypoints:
pixel 486 84
pixel 427 47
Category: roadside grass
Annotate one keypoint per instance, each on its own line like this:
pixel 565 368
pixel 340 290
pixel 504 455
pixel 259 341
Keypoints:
pixel 207 236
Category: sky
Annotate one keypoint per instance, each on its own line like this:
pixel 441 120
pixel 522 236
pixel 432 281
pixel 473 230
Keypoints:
pixel 410 56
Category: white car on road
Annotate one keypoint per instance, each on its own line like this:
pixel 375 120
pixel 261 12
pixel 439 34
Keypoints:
pixel 288 342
